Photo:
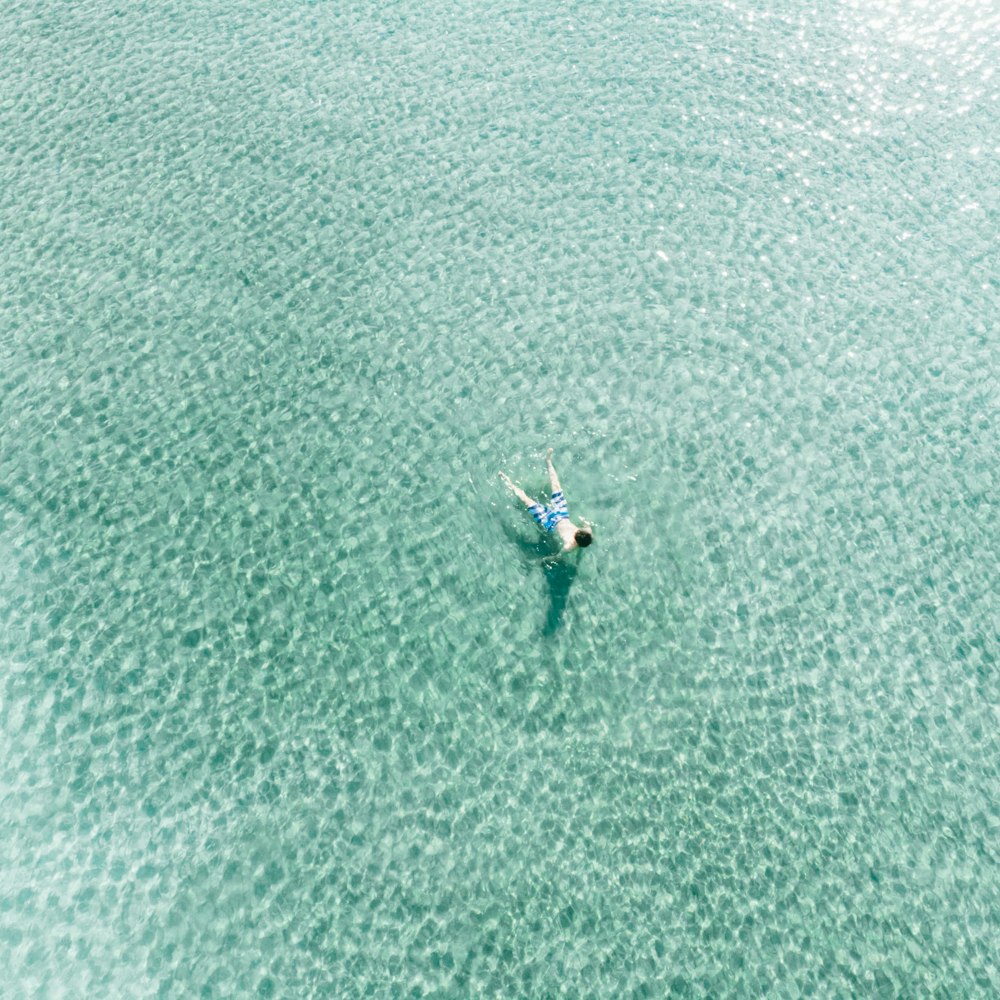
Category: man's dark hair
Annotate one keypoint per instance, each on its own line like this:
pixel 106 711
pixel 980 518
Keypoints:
pixel 583 537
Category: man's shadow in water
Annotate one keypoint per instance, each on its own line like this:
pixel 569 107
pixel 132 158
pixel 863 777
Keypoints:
pixel 559 573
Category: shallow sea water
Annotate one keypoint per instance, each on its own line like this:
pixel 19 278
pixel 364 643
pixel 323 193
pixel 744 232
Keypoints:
pixel 289 705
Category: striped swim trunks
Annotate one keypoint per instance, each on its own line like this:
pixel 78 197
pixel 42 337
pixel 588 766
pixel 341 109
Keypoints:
pixel 548 517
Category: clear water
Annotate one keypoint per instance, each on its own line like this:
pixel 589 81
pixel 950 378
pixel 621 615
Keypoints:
pixel 289 705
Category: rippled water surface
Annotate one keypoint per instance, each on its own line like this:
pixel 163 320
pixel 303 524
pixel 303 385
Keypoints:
pixel 289 703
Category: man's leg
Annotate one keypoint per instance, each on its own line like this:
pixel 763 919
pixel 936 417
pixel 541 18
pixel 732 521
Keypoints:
pixel 518 492
pixel 535 509
pixel 553 478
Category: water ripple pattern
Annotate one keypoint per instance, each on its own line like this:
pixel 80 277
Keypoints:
pixel 290 705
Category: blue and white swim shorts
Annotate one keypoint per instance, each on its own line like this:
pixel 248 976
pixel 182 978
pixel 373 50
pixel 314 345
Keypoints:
pixel 549 516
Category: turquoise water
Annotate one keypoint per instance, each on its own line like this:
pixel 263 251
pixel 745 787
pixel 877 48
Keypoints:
pixel 289 705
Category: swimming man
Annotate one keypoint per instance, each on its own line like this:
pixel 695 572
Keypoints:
pixel 555 516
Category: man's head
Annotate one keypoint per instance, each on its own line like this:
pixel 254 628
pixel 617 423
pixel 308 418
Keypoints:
pixel 583 537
